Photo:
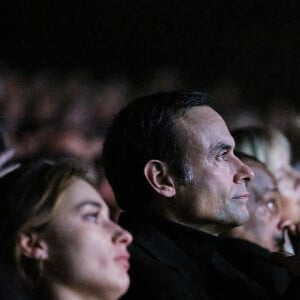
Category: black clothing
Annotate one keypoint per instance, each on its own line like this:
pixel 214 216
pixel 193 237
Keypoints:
pixel 195 244
pixel 173 262
pixel 243 270
pixel 159 269
pixel 12 286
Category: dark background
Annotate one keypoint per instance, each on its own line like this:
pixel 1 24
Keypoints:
pixel 255 43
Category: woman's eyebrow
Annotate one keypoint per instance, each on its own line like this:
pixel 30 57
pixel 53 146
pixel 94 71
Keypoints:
pixel 268 189
pixel 88 202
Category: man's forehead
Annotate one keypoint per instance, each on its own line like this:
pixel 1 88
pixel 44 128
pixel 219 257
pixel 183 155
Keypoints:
pixel 201 117
pixel 205 126
pixel 195 111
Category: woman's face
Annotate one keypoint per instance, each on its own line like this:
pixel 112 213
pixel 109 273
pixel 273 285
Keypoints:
pixel 289 185
pixel 265 210
pixel 86 251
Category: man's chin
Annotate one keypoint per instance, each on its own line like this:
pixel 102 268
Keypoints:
pixel 243 218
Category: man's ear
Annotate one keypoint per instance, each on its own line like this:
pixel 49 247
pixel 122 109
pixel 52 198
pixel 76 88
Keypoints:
pixel 159 177
pixel 32 246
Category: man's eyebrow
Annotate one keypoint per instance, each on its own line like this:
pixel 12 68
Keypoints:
pixel 222 146
pixel 88 202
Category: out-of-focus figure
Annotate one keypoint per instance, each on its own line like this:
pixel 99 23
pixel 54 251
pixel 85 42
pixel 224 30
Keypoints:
pixel 272 147
pixel 267 221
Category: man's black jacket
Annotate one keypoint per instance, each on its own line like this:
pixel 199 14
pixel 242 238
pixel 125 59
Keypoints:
pixel 173 262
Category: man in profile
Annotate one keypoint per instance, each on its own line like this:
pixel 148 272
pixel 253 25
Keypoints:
pixel 170 160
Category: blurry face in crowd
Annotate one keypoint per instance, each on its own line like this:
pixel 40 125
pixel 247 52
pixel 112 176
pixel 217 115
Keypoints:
pixel 289 186
pixel 217 193
pixel 266 222
pixel 86 251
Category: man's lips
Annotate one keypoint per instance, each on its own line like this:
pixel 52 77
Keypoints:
pixel 243 197
pixel 123 259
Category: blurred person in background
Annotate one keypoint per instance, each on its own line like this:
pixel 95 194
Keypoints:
pixel 272 147
pixel 267 220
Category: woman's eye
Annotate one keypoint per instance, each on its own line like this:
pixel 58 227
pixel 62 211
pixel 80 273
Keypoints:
pixel 272 206
pixel 92 218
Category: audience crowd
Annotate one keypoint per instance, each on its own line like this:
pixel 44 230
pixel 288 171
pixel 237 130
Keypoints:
pixel 196 178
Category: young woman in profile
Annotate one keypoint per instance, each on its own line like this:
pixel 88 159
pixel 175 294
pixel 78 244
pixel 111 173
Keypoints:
pixel 56 232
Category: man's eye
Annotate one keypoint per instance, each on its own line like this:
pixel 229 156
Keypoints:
pixel 222 155
pixel 92 218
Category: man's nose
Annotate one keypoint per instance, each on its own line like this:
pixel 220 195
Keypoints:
pixel 243 173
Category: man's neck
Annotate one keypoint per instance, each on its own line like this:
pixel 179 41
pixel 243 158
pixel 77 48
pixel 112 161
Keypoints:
pixel 207 228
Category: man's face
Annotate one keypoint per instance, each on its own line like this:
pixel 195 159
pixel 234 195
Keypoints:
pixel 216 197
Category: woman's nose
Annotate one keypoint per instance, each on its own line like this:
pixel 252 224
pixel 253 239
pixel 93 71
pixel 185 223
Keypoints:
pixel 122 236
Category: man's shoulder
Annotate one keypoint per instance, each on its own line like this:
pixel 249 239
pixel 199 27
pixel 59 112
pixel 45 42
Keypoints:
pixel 159 269
pixel 242 269
pixel 154 275
pixel 149 241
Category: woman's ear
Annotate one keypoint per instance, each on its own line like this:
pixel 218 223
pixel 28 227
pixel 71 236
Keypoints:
pixel 159 177
pixel 32 246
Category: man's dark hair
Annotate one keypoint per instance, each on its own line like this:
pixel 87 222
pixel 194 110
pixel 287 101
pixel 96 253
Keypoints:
pixel 142 131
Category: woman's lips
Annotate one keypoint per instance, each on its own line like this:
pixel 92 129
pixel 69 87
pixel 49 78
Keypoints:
pixel 123 259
